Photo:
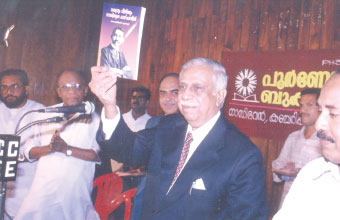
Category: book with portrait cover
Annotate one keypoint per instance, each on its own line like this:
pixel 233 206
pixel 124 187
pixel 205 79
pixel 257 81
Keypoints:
pixel 120 39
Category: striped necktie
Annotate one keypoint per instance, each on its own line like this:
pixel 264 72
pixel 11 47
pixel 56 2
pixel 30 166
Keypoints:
pixel 184 155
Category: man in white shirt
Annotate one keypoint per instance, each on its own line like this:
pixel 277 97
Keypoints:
pixel 136 120
pixel 14 91
pixel 315 193
pixel 66 152
pixel 137 117
pixel 301 146
pixel 213 173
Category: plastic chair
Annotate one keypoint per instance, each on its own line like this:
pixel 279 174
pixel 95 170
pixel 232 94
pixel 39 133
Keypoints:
pixel 125 197
pixel 109 195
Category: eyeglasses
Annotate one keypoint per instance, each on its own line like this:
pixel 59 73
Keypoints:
pixel 67 87
pixel 138 98
pixel 14 87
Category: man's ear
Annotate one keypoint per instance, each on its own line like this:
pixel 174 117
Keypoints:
pixel 86 89
pixel 58 92
pixel 27 90
pixel 220 97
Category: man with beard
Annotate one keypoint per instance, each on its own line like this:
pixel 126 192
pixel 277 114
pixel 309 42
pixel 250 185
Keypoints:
pixel 301 146
pixel 315 193
pixel 14 91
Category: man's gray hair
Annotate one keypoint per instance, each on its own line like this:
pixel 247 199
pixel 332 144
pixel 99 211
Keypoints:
pixel 335 72
pixel 220 77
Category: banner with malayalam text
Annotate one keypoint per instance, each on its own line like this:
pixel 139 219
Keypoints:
pixel 264 88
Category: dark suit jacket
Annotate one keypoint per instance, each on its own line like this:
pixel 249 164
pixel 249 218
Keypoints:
pixel 227 162
pixel 108 59
pixel 153 122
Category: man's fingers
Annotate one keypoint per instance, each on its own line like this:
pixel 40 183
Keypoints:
pixel 97 70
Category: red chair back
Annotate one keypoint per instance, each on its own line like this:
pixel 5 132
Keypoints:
pixel 109 195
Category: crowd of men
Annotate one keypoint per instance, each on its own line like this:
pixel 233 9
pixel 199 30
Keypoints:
pixel 197 164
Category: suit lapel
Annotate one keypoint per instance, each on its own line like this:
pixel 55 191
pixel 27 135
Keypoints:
pixel 205 156
pixel 171 153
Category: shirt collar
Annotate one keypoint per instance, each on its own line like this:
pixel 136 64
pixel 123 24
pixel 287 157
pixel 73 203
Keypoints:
pixel 302 133
pixel 201 132
pixel 328 167
pixel 114 47
pixel 139 118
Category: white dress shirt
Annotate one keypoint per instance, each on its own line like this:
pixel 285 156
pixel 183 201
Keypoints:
pixel 299 150
pixel 136 124
pixel 198 136
pixel 315 193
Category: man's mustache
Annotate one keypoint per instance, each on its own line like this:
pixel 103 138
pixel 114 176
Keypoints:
pixel 323 136
pixel 10 96
pixel 169 103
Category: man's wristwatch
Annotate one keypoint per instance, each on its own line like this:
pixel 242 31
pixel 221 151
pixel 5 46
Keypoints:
pixel 69 150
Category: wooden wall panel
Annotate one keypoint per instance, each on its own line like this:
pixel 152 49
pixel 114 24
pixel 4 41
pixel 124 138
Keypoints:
pixel 51 35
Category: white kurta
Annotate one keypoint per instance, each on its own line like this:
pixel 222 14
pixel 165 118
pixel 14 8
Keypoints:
pixel 314 195
pixel 62 185
pixel 18 189
pixel 299 150
pixel 138 124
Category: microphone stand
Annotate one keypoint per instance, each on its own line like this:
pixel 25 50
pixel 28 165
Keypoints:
pixel 18 132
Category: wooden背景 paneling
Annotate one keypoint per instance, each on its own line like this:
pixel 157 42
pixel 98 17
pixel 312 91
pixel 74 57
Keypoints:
pixel 51 35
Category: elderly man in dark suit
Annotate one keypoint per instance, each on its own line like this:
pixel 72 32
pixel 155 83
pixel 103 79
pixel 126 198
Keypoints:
pixel 199 165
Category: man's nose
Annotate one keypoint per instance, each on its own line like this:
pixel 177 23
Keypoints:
pixel 187 93
pixel 10 91
pixel 72 90
pixel 168 96
pixel 302 109
pixel 321 122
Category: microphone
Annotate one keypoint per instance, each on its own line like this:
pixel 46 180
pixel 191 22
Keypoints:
pixel 54 119
pixel 47 120
pixel 86 107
